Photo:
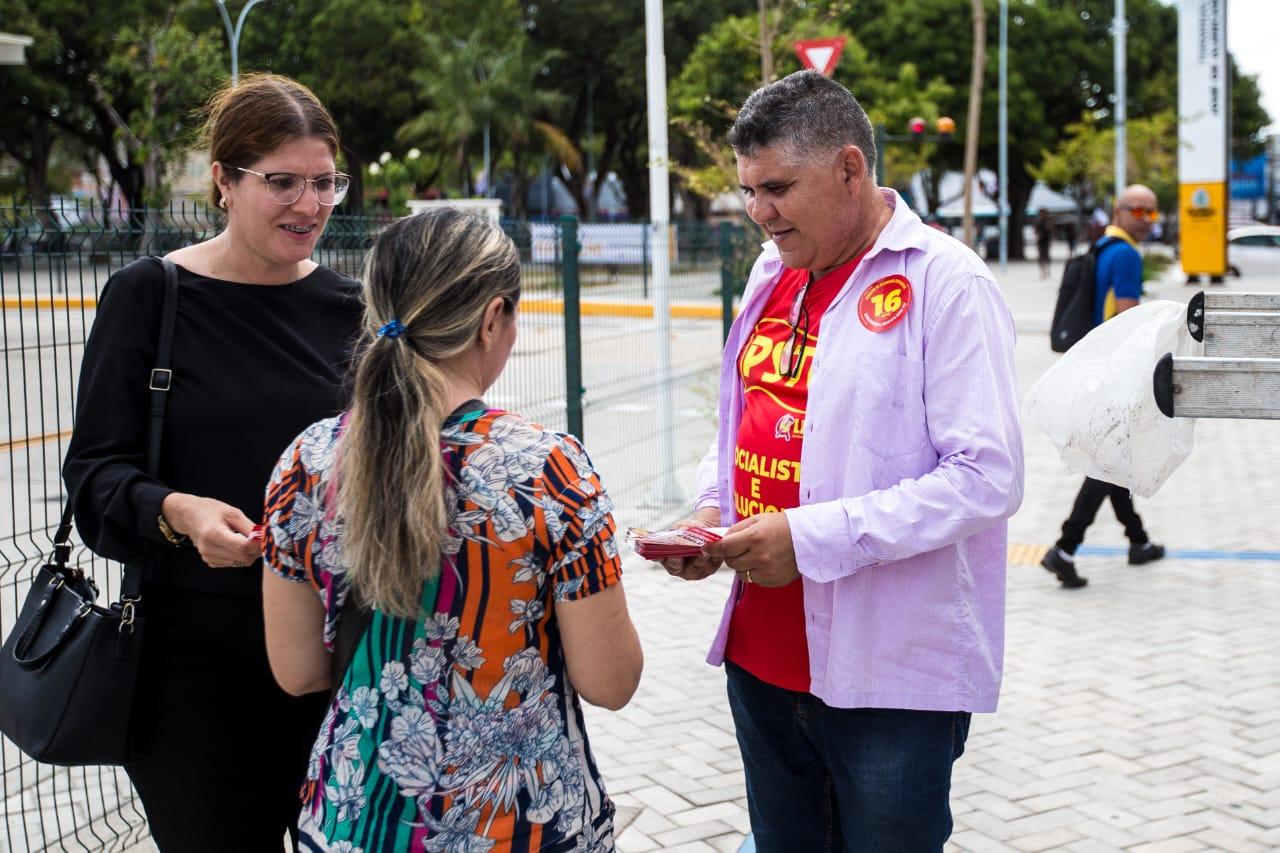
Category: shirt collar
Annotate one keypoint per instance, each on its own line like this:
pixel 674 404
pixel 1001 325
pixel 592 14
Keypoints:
pixel 1120 234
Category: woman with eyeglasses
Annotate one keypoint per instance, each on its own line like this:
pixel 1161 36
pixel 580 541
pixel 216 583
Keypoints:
pixel 479 551
pixel 261 345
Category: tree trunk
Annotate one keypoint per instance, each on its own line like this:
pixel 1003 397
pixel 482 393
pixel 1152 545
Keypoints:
pixel 354 202
pixel 976 73
pixel 1020 186
pixel 766 44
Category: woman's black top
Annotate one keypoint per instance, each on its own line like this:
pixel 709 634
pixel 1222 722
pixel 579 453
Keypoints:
pixel 253 365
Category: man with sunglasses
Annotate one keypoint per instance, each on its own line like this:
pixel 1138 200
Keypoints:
pixel 868 455
pixel 1117 287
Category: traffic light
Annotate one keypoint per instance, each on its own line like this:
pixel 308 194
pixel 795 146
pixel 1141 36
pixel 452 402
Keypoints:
pixel 945 125
pixel 916 126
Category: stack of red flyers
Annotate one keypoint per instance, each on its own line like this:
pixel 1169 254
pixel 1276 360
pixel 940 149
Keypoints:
pixel 685 542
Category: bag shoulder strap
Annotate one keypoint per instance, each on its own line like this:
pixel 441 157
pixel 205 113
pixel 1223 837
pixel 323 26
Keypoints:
pixel 161 380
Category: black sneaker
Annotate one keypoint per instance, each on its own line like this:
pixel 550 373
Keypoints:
pixel 1145 553
pixel 1065 569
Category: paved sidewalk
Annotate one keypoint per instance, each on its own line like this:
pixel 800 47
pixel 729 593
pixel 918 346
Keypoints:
pixel 1140 713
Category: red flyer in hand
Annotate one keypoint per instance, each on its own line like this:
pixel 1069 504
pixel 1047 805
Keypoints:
pixel 255 535
pixel 684 542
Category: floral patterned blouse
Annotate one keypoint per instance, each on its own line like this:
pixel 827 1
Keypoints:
pixel 459 732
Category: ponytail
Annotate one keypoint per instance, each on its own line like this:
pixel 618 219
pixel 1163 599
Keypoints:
pixel 428 280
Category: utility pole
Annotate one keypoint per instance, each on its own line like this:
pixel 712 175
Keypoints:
pixel 766 44
pixel 1121 63
pixel 666 490
pixel 1004 135
pixel 233 35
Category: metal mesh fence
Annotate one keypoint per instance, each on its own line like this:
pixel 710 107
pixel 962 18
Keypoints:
pixel 54 263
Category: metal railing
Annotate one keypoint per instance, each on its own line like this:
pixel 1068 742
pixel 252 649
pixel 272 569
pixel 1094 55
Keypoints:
pixel 54 263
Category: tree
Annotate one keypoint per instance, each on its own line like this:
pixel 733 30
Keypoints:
pixel 478 82
pixel 358 57
pixel 75 41
pixel 158 75
pixel 978 66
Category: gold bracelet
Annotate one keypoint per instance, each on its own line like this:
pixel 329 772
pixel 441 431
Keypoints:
pixel 168 532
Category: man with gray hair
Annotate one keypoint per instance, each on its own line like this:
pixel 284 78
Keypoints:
pixel 867 458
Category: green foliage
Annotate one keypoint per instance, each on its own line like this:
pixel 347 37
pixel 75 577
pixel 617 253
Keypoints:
pixel 1082 165
pixel 160 74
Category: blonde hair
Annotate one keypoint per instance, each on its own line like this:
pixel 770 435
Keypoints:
pixel 436 273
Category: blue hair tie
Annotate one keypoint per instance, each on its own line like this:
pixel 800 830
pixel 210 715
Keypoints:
pixel 394 329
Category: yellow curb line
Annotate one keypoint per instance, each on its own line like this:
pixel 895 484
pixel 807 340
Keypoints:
pixel 11 302
pixel 1026 555
pixel 33 441
pixel 620 309
pixel 532 306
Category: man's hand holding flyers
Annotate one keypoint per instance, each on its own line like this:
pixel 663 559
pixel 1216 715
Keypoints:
pixel 695 568
pixel 759 549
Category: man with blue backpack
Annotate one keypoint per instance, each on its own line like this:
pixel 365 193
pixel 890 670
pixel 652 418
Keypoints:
pixel 1116 267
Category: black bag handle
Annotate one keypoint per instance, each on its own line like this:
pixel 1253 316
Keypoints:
pixel 161 380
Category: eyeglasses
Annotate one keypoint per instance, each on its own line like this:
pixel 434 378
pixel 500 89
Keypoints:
pixel 287 188
pixel 1143 212
pixel 799 320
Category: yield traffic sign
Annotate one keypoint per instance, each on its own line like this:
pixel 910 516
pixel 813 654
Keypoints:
pixel 820 54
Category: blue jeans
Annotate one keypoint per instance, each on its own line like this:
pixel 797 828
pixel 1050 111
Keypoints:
pixel 861 780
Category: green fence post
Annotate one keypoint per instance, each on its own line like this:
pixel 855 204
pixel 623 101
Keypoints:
pixel 727 284
pixel 573 389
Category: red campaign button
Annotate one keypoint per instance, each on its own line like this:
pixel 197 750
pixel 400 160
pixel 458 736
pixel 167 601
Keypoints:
pixel 884 302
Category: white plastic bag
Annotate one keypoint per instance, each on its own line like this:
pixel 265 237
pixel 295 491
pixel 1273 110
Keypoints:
pixel 1097 403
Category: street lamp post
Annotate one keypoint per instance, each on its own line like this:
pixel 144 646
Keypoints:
pixel 233 34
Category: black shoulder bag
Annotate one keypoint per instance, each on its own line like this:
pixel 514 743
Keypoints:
pixel 69 666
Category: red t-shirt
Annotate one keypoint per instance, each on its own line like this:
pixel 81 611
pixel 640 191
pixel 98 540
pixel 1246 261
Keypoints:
pixel 766 630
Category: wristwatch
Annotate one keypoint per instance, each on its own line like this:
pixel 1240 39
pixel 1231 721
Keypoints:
pixel 169 533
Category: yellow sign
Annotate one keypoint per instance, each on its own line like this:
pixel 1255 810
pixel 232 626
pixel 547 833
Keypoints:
pixel 1202 212
pixel 1202 135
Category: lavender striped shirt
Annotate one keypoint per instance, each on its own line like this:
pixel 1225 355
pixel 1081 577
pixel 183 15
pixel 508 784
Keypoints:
pixel 912 462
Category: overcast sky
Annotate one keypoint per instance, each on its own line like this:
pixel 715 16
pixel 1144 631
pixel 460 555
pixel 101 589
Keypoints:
pixel 1253 30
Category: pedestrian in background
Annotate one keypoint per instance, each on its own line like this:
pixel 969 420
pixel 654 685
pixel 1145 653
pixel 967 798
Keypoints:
pixel 1117 287
pixel 1044 238
pixel 867 457
pixel 482 544
pixel 261 345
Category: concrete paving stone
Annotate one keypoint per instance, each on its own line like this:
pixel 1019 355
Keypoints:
pixel 634 841
pixel 1217 839
pixel 702 814
pixel 1170 845
pixel 707 796
pixel 1090 845
pixel 622 784
pixel 1038 822
pixel 971 841
pixel 662 800
pixel 1056 800
pixel 1171 827
pixel 650 822
pixel 674 780
pixel 696 832
pixel 730 843
pixel 722 780
pixel 691 767
pixel 995 806
pixel 1051 839
pixel 692 847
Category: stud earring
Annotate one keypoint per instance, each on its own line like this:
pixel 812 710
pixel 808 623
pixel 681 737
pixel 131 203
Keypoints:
pixel 222 202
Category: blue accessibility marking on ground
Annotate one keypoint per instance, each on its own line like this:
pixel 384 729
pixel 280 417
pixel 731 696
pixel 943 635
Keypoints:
pixel 1246 556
